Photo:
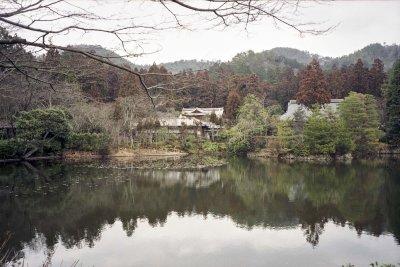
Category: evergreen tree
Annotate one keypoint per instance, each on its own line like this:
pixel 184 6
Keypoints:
pixel 359 115
pixel 336 83
pixel 393 107
pixel 299 121
pixel 205 95
pixel 253 86
pixel 319 135
pixel 232 105
pixel 359 77
pixel 376 78
pixel 313 86
pixel 285 89
pixel 252 121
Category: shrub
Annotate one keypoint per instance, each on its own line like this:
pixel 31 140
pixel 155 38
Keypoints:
pixel 89 142
pixel 6 149
pixel 213 147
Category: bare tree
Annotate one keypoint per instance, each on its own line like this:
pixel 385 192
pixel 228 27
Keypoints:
pixel 40 22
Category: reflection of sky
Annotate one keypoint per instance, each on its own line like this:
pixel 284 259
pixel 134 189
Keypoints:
pixel 212 241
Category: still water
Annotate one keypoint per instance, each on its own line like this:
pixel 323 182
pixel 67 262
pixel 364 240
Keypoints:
pixel 247 213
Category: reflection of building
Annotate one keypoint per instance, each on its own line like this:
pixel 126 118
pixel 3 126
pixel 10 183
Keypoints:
pixel 195 178
pixel 293 107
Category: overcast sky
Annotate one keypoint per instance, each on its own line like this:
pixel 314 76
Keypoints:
pixel 358 23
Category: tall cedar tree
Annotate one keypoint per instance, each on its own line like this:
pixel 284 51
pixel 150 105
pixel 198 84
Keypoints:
pixel 313 86
pixel 393 106
pixel 359 77
pixel 253 86
pixel 233 104
pixel 377 77
pixel 206 97
pixel 337 82
pixel 285 89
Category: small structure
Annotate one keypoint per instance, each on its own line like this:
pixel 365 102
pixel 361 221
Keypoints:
pixel 293 107
pixel 203 114
pixel 192 125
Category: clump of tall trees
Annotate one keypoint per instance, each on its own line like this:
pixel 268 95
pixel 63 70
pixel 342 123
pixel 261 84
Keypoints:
pixel 393 107
pixel 354 128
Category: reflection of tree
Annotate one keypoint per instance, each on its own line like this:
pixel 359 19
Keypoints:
pixel 314 194
pixel 79 201
pixel 392 192
pixel 313 231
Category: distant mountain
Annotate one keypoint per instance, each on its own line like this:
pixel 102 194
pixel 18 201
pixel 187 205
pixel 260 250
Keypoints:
pixel 387 53
pixel 178 66
pixel 173 67
pixel 181 65
pixel 267 61
pixel 303 57
pixel 113 57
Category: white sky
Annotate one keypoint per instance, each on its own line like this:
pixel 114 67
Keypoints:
pixel 359 23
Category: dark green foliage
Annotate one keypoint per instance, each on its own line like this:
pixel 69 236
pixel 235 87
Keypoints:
pixel 7 149
pixel 17 148
pixel 39 132
pixel 393 107
pixel 43 124
pixel 213 118
pixel 89 142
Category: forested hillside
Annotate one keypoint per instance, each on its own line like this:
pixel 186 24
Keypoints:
pixel 264 63
pixel 387 53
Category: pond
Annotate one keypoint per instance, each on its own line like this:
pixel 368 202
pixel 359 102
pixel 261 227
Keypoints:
pixel 247 213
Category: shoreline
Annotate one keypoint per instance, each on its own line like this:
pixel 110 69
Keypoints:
pixel 138 155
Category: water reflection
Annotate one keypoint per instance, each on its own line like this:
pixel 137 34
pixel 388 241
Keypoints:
pixel 72 205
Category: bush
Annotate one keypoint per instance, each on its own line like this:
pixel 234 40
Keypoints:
pixel 238 145
pixel 16 148
pixel 301 150
pixel 89 142
pixel 6 149
pixel 213 147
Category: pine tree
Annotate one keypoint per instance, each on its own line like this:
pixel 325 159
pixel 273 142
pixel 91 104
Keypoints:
pixel 313 86
pixel 393 107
